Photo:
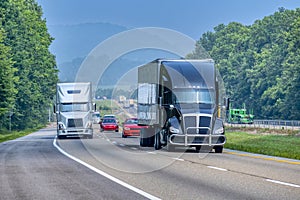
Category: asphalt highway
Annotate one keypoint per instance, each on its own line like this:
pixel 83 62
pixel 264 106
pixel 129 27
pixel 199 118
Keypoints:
pixel 108 166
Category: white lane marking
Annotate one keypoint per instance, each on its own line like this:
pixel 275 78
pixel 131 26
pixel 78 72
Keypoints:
pixel 217 168
pixel 118 181
pixel 151 152
pixel 108 140
pixel 114 142
pixel 122 145
pixel 179 159
pixel 283 183
pixel 133 148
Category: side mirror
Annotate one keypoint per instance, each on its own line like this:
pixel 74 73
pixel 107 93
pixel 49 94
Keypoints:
pixel 227 102
pixel 160 101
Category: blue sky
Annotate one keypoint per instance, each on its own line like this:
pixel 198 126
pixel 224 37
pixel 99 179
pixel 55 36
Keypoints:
pixel 191 17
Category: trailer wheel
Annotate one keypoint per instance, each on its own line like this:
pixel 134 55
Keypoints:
pixel 218 149
pixel 198 148
pixel 143 138
pixel 157 144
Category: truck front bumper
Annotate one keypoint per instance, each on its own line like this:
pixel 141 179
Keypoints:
pixel 75 132
pixel 197 140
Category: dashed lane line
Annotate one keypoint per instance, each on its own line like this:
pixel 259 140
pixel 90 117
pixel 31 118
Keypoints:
pixel 283 183
pixel 217 168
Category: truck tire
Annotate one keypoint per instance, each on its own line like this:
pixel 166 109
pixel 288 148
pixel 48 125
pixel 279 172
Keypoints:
pixel 61 137
pixel 170 147
pixel 143 138
pixel 218 149
pixel 157 144
pixel 147 137
pixel 198 148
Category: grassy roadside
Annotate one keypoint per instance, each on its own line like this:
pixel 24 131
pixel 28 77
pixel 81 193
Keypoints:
pixel 280 143
pixel 5 136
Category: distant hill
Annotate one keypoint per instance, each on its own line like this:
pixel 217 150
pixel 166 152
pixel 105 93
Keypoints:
pixel 75 41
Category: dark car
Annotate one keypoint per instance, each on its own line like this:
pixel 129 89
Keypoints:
pixel 109 124
pixel 131 128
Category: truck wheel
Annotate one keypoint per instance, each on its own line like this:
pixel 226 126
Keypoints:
pixel 170 147
pixel 218 149
pixel 157 144
pixel 142 138
pixel 61 137
pixel 123 136
pixel 198 149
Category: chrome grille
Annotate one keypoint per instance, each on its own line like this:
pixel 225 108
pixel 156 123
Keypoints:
pixel 204 121
pixel 192 124
pixel 75 123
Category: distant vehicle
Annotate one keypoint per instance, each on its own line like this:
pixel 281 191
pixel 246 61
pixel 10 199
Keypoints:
pixel 109 116
pixel 74 109
pixel 126 104
pixel 96 117
pixel 240 116
pixel 131 128
pixel 131 102
pixel 122 99
pixel 109 124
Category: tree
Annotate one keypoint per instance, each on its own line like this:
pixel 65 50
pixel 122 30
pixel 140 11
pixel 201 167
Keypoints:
pixel 29 41
pixel 259 63
pixel 7 82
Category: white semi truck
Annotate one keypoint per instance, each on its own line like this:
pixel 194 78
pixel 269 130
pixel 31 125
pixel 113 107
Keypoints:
pixel 179 104
pixel 74 109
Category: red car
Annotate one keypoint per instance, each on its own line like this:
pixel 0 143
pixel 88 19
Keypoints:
pixel 131 128
pixel 109 124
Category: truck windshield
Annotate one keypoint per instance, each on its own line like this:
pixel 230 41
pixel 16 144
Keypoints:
pixel 71 107
pixel 191 95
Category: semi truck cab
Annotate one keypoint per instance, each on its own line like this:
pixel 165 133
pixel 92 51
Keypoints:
pixel 180 104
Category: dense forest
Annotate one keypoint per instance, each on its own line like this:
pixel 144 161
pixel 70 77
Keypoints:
pixel 259 63
pixel 27 69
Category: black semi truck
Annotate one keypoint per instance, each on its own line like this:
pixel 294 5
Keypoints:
pixel 179 104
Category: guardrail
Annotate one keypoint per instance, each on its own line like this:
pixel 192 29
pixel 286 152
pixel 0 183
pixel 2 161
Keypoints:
pixel 271 124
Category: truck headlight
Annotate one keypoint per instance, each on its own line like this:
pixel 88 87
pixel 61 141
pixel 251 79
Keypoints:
pixel 89 124
pixel 219 131
pixel 61 127
pixel 172 129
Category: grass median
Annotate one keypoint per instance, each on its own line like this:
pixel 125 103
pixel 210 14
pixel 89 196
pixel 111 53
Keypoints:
pixel 283 144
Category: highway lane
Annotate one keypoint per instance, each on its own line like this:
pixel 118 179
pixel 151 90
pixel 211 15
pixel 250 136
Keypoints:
pixel 32 168
pixel 189 175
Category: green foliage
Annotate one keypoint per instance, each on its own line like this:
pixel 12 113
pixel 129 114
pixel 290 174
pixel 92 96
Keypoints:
pixel 259 63
pixel 7 80
pixel 28 40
